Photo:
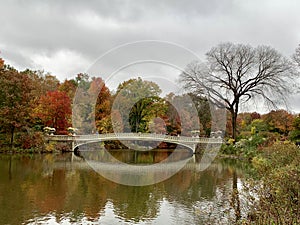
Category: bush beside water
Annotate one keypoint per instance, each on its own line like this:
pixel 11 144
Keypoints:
pixel 275 193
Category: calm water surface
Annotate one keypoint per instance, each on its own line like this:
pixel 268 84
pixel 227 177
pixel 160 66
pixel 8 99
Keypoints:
pixel 64 189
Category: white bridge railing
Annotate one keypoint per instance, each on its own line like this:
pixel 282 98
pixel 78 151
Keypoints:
pixel 133 136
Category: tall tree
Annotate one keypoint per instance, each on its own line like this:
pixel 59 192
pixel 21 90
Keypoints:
pixel 236 73
pixel 15 97
pixel 136 100
pixel 68 86
pixel 103 104
pixel 42 83
pixel 203 108
pixel 54 110
pixel 84 105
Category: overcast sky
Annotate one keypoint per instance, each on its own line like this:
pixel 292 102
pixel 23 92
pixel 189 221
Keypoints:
pixel 66 37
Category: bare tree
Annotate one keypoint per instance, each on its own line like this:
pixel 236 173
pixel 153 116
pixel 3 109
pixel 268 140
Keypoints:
pixel 236 73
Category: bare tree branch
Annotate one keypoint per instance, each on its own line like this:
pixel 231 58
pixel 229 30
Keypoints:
pixel 236 73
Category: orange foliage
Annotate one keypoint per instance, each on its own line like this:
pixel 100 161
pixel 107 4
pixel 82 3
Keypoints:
pixel 1 63
pixel 54 110
pixel 279 121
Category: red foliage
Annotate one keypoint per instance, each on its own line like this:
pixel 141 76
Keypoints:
pixel 55 110
pixel 255 115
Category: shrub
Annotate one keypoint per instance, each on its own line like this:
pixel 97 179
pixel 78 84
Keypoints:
pixel 246 148
pixel 245 134
pixel 50 147
pixel 228 149
pixel 31 140
pixel 63 147
pixel 276 196
pixel 295 135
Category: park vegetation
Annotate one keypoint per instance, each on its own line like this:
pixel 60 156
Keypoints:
pixel 232 75
pixel 35 103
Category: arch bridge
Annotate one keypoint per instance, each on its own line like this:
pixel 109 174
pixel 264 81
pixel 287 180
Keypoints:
pixel 189 142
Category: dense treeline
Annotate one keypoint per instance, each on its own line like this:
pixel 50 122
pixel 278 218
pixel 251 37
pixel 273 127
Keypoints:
pixel 32 100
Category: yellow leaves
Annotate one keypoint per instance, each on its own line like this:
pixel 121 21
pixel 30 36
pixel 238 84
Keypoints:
pixel 253 130
pixel 230 141
pixel 259 163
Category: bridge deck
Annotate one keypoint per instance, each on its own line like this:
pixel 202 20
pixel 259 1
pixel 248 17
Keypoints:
pixel 133 136
pixel 189 142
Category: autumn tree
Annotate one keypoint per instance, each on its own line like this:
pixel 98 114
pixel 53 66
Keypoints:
pixel 295 133
pixel 54 110
pixel 15 97
pixel 137 100
pixel 180 115
pixel 279 121
pixel 235 73
pixel 42 82
pixel 172 118
pixel 91 105
pixel 83 81
pixel 255 115
pixel 102 108
pixel 84 105
pixel 144 111
pixel 157 125
pixel 244 120
pixel 69 87
pixel 203 109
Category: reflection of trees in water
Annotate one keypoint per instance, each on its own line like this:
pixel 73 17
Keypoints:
pixel 235 201
pixel 83 193
pixel 136 203
pixel 187 188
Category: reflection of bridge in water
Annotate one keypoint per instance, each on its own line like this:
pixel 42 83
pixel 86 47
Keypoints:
pixel 77 162
pixel 190 142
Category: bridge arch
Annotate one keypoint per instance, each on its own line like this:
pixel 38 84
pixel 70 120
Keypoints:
pixel 189 142
pixel 191 147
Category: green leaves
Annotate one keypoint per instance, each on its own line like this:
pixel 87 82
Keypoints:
pixel 138 101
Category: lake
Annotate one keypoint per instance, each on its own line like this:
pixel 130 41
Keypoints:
pixel 73 189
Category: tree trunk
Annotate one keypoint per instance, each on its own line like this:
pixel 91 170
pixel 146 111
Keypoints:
pixel 233 123
pixel 234 113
